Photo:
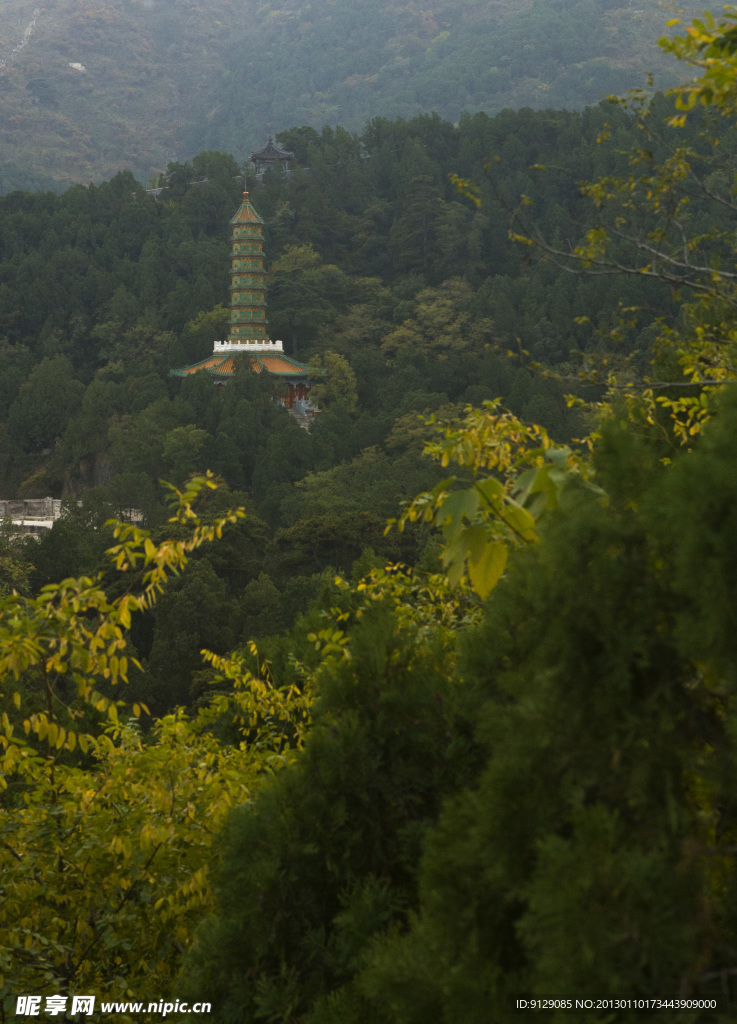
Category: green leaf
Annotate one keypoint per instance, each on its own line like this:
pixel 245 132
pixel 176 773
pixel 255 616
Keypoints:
pixel 558 456
pixel 476 539
pixel 491 489
pixel 486 571
pixel 521 521
pixel 456 506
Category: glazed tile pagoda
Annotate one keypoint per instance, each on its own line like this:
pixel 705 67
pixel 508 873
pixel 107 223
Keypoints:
pixel 248 335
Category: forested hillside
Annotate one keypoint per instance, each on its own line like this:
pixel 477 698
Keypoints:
pixel 407 294
pixel 427 708
pixel 89 89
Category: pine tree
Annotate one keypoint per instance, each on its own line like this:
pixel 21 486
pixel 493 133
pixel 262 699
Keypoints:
pixel 595 853
pixel 324 860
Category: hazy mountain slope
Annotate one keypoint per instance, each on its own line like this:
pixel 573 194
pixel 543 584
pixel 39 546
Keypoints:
pixel 126 108
pixel 164 78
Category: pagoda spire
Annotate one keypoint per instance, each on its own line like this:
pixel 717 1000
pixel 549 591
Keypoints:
pixel 248 322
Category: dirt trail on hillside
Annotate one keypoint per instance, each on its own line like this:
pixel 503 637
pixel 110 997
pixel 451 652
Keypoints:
pixel 27 33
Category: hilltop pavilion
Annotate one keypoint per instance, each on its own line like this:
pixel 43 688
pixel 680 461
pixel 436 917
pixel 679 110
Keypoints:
pixel 270 156
pixel 248 334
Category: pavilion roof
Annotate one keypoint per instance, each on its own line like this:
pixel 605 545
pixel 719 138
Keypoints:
pixel 223 366
pixel 281 365
pixel 270 152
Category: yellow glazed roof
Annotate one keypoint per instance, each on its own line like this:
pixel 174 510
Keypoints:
pixel 245 214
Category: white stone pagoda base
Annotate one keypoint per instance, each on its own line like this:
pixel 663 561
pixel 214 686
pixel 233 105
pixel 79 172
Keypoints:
pixel 263 345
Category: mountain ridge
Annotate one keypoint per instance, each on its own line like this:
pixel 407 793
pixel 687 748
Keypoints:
pixel 137 83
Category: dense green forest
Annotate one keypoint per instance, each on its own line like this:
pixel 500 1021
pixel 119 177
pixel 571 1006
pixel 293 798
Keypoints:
pixel 87 88
pixel 259 749
pixel 410 294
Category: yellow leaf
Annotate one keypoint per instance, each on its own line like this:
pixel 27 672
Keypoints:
pixel 486 572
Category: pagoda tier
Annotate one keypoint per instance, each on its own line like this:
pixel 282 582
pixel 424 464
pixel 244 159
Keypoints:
pixel 248 322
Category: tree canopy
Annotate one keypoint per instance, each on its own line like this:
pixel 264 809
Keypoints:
pixel 261 747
